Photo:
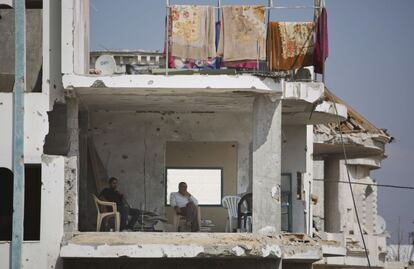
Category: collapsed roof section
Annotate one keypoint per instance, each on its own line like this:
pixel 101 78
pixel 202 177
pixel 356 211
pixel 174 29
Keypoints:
pixel 362 139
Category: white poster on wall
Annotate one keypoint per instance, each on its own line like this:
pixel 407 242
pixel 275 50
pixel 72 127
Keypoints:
pixel 204 184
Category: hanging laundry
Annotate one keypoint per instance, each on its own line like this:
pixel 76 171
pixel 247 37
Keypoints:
pixel 242 33
pixel 289 45
pixel 187 63
pixel 192 33
pixel 321 50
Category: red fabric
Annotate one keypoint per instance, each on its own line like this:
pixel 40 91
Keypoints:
pixel 168 38
pixel 248 64
pixel 321 50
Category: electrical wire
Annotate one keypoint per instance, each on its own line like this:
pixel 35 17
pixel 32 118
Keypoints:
pixel 350 184
pixel 367 184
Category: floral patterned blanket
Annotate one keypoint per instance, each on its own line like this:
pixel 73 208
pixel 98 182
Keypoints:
pixel 192 32
pixel 290 45
pixel 242 33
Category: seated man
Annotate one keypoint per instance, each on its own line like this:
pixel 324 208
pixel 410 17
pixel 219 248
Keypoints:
pixel 111 194
pixel 185 205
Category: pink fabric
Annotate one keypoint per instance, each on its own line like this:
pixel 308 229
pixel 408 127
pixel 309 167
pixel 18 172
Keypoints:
pixel 321 49
pixel 242 64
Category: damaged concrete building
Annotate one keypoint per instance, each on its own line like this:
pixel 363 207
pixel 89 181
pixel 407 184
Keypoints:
pixel 272 135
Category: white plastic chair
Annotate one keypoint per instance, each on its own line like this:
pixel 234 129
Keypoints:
pixel 101 215
pixel 230 202
pixel 178 220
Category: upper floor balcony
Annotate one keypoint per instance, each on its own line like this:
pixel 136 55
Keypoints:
pixel 205 39
pixel 260 56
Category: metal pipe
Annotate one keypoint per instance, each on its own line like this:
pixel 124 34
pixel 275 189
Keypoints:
pixel 323 45
pixel 269 5
pixel 18 133
pixel 293 7
pixel 167 38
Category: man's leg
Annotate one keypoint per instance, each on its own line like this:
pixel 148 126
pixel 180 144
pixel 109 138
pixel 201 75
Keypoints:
pixel 192 216
pixel 123 210
pixel 134 213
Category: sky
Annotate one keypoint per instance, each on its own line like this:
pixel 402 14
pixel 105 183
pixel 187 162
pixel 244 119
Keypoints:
pixel 370 66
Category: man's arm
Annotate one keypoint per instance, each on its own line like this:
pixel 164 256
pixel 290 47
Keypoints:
pixel 194 200
pixel 102 195
pixel 173 203
pixel 123 199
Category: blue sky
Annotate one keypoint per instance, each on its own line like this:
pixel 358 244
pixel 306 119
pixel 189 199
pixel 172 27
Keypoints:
pixel 370 66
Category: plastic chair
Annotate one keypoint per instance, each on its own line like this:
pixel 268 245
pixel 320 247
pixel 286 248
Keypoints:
pixel 244 212
pixel 230 202
pixel 101 207
pixel 178 220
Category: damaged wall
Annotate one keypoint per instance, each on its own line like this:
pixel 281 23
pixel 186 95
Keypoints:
pixel 33 50
pixel 35 127
pixel 127 140
pixel 45 252
pixel 75 40
pixel 339 209
pixel 318 191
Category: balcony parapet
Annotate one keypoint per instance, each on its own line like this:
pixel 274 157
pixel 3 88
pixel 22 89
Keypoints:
pixel 175 84
pixel 185 245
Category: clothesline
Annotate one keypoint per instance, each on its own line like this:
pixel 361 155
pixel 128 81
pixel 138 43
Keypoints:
pixel 202 53
pixel 275 7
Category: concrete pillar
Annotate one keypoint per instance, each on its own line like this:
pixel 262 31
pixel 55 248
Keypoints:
pixel 72 166
pixel 331 191
pixel 86 219
pixel 73 126
pixel 71 213
pixel 244 166
pixel 339 209
pixel 266 163
pixel 52 210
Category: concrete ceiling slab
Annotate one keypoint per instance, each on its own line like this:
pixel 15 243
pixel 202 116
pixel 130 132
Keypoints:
pixel 352 151
pixel 123 100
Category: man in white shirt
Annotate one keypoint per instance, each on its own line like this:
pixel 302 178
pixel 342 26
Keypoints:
pixel 185 205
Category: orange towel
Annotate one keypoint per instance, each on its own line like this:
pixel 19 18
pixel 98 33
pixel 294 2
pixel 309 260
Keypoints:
pixel 289 45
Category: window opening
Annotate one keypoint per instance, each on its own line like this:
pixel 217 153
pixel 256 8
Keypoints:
pixel 205 184
pixel 32 203
pixel 6 203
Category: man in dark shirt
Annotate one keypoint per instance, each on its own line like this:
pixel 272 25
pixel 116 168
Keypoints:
pixel 111 194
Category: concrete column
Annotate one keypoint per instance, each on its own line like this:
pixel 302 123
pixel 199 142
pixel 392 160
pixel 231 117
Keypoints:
pixel 85 201
pixel 72 166
pixel 71 213
pixel 52 210
pixel 266 163
pixel 73 126
pixel 244 183
pixel 331 189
